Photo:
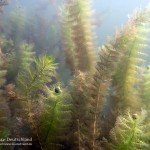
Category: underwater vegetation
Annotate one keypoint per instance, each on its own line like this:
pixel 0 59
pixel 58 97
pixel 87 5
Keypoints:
pixel 130 132
pixel 105 104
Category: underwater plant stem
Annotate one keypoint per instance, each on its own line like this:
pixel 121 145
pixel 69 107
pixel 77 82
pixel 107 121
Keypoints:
pixel 126 73
pixel 132 135
pixel 79 144
pixel 34 79
pixel 95 120
pixel 33 123
pixel 48 131
pixel 125 76
pixel 94 132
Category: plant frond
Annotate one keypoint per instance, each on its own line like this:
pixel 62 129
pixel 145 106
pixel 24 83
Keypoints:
pixel 3 71
pixel 80 93
pixel 78 40
pixel 101 81
pixel 27 56
pixel 54 119
pixel 35 77
pixel 126 135
pixel 68 43
pixel 127 75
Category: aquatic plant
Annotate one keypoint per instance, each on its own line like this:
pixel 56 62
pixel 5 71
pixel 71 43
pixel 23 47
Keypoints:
pixel 3 71
pixel 4 110
pixel 32 79
pixel 33 75
pixel 130 133
pixel 129 43
pixel 4 120
pixel 80 94
pixel 80 57
pixel 19 60
pixel 13 30
pixel 81 115
pixel 78 42
pixel 145 90
pixel 55 117
pixel 126 79
pixel 30 82
pixel 36 76
pixel 145 93
pixel 68 44
pixel 99 89
pixel 6 45
pixel 3 135
pixel 112 55
pixel 26 56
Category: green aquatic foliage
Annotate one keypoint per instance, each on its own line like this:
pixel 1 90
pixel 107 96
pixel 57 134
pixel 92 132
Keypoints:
pixel 4 110
pixel 3 135
pixel 54 120
pixel 13 29
pixel 130 133
pixel 3 70
pixel 78 41
pixel 3 73
pixel 120 59
pixel 145 93
pixel 68 44
pixel 4 118
pixel 6 45
pixel 79 50
pixel 124 92
pixel 55 117
pixel 20 60
pixel 132 42
pixel 99 89
pixel 145 89
pixel 36 76
pixel 26 56
pixel 80 120
pixel 146 84
pixel 30 84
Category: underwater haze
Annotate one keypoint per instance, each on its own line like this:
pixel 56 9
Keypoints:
pixel 74 75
